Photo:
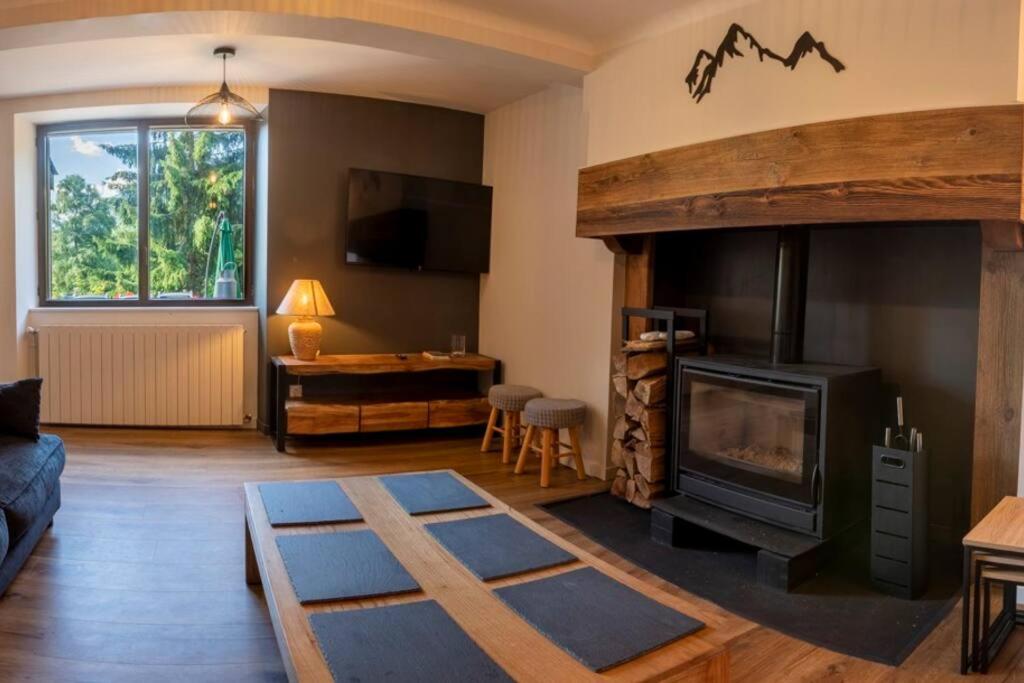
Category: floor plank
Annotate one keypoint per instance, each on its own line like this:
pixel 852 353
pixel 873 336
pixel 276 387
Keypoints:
pixel 141 577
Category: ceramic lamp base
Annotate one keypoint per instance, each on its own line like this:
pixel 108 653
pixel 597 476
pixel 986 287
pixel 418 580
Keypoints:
pixel 304 337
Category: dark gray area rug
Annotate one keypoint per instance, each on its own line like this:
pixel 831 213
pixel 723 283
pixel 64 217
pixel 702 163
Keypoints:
pixel 307 502
pixel 496 546
pixel 838 609
pixel 342 566
pixel 596 619
pixel 411 642
pixel 420 494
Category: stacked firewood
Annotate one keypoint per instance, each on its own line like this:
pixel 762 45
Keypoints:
pixel 638 437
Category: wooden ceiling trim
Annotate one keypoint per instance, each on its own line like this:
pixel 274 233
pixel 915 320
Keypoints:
pixel 934 165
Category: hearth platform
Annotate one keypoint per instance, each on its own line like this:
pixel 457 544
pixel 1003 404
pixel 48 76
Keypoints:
pixel 784 559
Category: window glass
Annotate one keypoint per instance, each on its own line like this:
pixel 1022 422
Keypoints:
pixel 196 213
pixel 92 217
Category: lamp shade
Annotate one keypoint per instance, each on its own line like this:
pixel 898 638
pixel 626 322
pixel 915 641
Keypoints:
pixel 305 297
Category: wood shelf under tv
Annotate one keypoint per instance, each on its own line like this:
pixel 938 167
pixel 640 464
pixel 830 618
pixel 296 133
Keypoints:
pixel 444 393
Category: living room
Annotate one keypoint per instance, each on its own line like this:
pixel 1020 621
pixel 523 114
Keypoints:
pixel 489 340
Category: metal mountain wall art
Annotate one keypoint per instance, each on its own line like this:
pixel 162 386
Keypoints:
pixel 738 43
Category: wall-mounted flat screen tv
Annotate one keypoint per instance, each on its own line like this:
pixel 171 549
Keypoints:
pixel 408 221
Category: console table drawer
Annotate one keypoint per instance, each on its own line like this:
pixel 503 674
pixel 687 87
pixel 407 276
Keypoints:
pixel 459 412
pixel 386 417
pixel 307 418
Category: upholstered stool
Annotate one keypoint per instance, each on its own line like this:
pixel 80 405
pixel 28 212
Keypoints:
pixel 509 399
pixel 549 416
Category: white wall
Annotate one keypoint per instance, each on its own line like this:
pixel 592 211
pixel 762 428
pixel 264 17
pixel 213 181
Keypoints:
pixel 900 55
pixel 545 306
pixel 18 228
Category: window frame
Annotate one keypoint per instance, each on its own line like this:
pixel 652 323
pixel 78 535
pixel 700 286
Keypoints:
pixel 142 128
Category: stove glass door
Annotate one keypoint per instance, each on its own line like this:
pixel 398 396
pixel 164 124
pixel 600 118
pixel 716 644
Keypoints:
pixel 752 433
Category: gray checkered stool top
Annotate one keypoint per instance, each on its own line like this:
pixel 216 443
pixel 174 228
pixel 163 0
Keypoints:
pixel 511 397
pixel 554 413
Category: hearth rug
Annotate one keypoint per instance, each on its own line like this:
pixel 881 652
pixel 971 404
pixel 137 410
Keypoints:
pixel 307 502
pixel 342 566
pixel 411 642
pixel 596 619
pixel 420 494
pixel 837 609
pixel 497 546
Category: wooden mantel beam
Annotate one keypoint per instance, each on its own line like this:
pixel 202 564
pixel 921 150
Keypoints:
pixel 947 164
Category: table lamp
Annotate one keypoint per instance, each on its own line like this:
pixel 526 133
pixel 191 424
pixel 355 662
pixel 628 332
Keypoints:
pixel 305 298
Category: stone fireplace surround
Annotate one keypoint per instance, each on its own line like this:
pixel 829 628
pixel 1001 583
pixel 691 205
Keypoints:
pixel 918 167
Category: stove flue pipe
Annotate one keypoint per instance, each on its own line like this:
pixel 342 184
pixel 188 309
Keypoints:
pixel 790 299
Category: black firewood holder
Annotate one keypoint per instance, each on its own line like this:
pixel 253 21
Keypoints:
pixel 670 320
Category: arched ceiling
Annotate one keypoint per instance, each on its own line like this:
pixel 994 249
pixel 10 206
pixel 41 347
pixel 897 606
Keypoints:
pixel 467 54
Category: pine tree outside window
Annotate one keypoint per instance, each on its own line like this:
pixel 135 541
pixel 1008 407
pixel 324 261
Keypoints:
pixel 178 233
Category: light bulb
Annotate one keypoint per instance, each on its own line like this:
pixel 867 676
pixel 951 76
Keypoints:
pixel 225 114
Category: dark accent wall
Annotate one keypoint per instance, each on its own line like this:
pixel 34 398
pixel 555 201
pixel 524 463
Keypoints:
pixel 314 139
pixel 903 298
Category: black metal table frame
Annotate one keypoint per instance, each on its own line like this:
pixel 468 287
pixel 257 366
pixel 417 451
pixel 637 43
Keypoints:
pixel 972 657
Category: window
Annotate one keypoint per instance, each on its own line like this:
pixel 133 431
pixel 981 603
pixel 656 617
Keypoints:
pixel 177 233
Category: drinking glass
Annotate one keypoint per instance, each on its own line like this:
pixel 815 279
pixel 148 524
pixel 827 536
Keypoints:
pixel 458 345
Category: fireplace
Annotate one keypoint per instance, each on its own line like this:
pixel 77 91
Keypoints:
pixel 777 439
pixel 689 225
pixel 786 444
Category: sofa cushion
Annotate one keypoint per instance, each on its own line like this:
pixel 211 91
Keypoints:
pixel 19 408
pixel 5 537
pixel 29 472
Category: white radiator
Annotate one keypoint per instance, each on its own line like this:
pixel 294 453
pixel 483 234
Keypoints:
pixel 143 375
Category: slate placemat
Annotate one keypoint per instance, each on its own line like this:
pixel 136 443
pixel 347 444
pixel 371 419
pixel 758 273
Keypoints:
pixel 596 619
pixel 341 566
pixel 497 545
pixel 411 642
pixel 431 492
pixel 307 502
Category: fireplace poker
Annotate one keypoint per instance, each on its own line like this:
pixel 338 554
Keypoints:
pixel 900 436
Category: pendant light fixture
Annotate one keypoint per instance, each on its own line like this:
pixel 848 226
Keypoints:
pixel 224 106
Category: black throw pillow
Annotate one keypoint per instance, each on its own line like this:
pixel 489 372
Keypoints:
pixel 19 408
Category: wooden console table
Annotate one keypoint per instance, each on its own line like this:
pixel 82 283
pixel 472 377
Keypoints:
pixel 379 392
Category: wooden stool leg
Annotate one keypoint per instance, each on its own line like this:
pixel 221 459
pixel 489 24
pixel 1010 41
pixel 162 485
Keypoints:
pixel 489 432
pixel 506 439
pixel 574 439
pixel 516 419
pixel 525 450
pixel 545 458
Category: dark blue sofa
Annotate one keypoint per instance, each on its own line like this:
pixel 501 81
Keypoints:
pixel 29 497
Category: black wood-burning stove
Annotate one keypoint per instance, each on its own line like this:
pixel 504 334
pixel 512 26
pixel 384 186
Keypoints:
pixel 786 444
pixel 772 451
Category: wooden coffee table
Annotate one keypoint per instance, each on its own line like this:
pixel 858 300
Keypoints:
pixel 511 642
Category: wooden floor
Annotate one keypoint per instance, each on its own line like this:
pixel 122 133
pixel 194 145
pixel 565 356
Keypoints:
pixel 142 576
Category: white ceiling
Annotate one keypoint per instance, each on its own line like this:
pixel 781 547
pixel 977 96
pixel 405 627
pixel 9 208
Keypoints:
pixel 602 23
pixel 272 61
pixel 559 39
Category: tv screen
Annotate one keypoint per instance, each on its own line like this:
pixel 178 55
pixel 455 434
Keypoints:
pixel 420 223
